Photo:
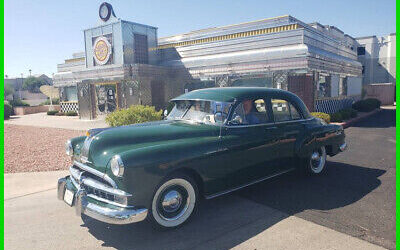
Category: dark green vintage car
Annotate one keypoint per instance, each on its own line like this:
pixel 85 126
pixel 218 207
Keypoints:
pixel 213 141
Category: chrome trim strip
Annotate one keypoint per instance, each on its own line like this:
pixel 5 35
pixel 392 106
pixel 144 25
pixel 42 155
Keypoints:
pixel 266 124
pixel 248 184
pixel 100 186
pixel 96 172
pixel 108 201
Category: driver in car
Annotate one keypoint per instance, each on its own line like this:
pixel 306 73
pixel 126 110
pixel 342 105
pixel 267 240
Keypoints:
pixel 249 115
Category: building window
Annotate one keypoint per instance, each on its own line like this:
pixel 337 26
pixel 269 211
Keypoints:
pixel 361 51
pixel 141 49
pixel 324 86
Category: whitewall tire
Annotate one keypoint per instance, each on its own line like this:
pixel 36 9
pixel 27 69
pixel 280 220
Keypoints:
pixel 174 202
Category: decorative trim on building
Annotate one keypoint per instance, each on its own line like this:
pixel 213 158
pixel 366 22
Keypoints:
pixel 334 104
pixel 231 36
pixel 69 106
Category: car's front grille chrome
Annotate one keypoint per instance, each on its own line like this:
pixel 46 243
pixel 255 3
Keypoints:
pixel 98 188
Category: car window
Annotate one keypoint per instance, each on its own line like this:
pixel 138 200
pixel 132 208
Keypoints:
pixel 250 112
pixel 284 111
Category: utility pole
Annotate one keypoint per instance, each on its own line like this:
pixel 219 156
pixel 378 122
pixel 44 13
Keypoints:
pixel 30 73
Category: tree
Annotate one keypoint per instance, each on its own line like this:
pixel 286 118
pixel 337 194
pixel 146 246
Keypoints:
pixel 32 84
pixel 8 89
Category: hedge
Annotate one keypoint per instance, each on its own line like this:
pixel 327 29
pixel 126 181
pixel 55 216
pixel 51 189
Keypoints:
pixel 367 105
pixel 7 110
pixel 324 116
pixel 18 103
pixel 336 117
pixel 52 112
pixel 71 113
pixel 132 115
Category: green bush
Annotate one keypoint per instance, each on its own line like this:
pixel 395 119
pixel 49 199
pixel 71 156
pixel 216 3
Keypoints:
pixel 18 103
pixel 60 114
pixel 47 102
pixel 324 116
pixel 348 113
pixel 52 112
pixel 336 117
pixel 132 115
pixel 71 113
pixel 8 110
pixel 366 105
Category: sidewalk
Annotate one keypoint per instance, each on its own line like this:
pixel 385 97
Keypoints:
pixel 222 223
pixel 65 122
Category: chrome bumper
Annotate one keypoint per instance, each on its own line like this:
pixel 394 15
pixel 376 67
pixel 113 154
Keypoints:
pixel 117 215
pixel 343 147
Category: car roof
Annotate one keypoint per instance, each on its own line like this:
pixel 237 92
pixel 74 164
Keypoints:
pixel 230 94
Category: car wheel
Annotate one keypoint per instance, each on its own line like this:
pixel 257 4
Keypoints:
pixel 174 201
pixel 315 164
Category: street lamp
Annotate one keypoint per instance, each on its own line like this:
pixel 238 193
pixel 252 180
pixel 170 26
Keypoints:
pixel 20 87
pixel 30 73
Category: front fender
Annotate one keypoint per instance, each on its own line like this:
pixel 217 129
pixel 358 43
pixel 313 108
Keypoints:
pixel 147 166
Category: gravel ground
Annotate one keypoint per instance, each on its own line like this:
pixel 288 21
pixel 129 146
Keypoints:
pixel 30 149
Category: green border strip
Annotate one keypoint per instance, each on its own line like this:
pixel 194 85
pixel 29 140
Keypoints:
pixel 2 124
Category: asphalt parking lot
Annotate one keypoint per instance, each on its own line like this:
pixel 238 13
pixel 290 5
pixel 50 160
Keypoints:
pixel 351 206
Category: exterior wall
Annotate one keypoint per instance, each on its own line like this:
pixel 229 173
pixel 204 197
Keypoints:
pixel 303 86
pixel 379 60
pixel 383 92
pixel 354 86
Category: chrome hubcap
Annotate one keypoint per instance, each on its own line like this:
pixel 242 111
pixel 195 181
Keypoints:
pixel 172 201
pixel 317 161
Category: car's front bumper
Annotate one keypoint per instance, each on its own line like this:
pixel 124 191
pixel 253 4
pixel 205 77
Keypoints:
pixel 99 210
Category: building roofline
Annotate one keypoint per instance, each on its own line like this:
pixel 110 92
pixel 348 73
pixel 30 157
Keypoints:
pixel 225 26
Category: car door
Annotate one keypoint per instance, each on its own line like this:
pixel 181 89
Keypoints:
pixel 289 124
pixel 250 149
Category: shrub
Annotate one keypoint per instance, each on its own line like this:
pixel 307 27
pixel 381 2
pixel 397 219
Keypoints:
pixel 52 112
pixel 366 105
pixel 47 102
pixel 132 115
pixel 71 113
pixel 18 103
pixel 348 113
pixel 8 110
pixel 324 116
pixel 336 117
pixel 60 114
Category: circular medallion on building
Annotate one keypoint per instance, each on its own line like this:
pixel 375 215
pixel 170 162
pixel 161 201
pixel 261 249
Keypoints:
pixel 102 50
pixel 105 11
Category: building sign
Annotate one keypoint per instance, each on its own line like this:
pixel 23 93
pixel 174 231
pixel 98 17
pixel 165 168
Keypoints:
pixel 102 50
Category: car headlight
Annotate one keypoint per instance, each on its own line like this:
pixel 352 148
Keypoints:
pixel 68 148
pixel 117 166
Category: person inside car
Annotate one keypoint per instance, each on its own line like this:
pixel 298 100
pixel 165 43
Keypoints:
pixel 250 117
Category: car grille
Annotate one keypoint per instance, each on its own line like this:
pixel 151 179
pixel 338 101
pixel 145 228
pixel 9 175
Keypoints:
pixel 96 187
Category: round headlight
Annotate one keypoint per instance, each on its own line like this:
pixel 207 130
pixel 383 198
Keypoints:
pixel 68 148
pixel 117 166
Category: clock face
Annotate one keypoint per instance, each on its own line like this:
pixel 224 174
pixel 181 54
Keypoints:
pixel 103 11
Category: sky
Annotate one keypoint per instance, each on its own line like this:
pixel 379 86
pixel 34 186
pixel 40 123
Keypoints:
pixel 40 34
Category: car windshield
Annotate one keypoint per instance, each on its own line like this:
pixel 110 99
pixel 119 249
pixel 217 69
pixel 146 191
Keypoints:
pixel 209 112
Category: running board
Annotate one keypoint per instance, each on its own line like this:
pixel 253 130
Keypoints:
pixel 249 184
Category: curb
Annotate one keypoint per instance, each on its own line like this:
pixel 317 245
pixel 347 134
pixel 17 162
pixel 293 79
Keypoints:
pixel 350 122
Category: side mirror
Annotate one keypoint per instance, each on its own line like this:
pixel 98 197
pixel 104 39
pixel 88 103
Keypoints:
pixel 165 113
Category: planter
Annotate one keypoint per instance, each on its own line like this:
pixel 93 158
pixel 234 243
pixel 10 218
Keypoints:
pixel 33 109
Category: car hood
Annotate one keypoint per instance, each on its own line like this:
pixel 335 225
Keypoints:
pixel 103 144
